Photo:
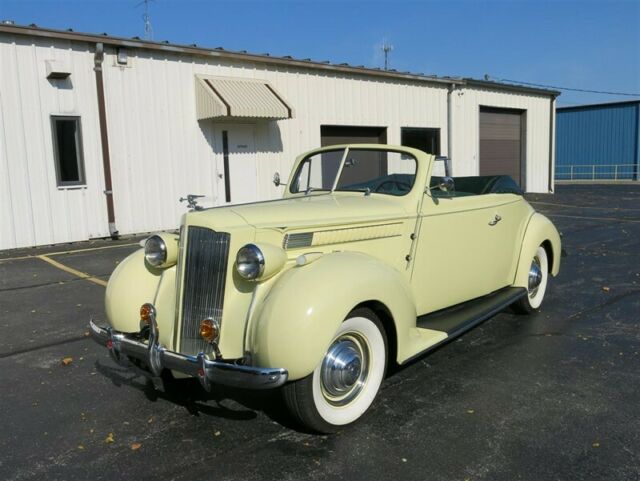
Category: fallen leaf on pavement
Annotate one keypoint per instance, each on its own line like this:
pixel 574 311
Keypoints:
pixel 67 360
pixel 606 289
pixel 109 439
pixel 136 446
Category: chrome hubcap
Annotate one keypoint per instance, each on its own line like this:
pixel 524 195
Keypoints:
pixel 345 369
pixel 535 276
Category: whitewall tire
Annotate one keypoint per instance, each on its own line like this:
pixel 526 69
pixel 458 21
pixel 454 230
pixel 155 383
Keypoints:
pixel 537 278
pixel 347 379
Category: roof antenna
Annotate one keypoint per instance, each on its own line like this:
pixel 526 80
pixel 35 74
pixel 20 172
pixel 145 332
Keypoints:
pixel 148 29
pixel 387 48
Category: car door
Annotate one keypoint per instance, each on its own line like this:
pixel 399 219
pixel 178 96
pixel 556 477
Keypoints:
pixel 465 248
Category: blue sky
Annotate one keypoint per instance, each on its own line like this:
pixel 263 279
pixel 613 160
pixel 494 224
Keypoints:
pixel 587 44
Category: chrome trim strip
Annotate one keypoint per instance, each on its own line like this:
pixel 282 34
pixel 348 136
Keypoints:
pixel 123 346
pixel 342 235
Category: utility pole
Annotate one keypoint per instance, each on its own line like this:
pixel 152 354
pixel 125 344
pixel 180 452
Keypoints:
pixel 387 48
pixel 148 29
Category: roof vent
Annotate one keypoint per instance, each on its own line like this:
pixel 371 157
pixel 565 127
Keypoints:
pixel 8 22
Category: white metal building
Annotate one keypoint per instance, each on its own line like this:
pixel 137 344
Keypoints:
pixel 101 134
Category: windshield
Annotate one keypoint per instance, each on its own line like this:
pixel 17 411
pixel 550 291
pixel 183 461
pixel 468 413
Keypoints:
pixel 364 170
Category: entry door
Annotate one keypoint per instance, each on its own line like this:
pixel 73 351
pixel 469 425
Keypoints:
pixel 237 167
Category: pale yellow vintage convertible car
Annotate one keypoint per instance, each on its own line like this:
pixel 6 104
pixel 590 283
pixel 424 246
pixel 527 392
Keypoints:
pixel 368 259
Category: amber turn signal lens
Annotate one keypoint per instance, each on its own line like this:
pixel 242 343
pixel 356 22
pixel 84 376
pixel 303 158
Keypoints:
pixel 209 330
pixel 146 310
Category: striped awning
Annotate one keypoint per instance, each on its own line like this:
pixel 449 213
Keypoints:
pixel 220 98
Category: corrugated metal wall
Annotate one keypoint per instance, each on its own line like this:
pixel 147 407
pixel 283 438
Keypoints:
pixel 160 151
pixel 466 105
pixel 33 210
pixel 592 140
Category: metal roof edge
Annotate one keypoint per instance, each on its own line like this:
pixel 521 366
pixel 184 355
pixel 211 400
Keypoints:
pixel 512 87
pixel 36 31
pixel 613 103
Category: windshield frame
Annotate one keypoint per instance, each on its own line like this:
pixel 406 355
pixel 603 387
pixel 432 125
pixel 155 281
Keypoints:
pixel 346 150
pixel 311 154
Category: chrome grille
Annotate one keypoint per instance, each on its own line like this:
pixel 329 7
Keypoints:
pixel 205 271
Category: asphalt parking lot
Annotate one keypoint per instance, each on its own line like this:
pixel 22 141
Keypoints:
pixel 554 396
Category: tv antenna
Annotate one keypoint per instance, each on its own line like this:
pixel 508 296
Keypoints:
pixel 387 48
pixel 148 29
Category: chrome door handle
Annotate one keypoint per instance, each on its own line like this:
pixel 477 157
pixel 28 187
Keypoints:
pixel 495 220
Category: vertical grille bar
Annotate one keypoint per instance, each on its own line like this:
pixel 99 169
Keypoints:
pixel 205 272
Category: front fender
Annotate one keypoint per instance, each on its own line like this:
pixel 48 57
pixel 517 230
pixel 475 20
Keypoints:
pixel 540 230
pixel 134 283
pixel 304 308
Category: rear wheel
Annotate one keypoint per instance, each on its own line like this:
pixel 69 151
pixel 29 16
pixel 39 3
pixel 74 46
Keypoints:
pixel 347 380
pixel 536 285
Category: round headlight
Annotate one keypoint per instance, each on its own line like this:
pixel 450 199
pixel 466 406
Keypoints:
pixel 155 251
pixel 250 262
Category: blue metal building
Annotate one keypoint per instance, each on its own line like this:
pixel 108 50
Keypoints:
pixel 600 141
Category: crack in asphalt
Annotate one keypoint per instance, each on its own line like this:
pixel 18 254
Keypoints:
pixel 68 340
pixel 45 284
pixel 606 303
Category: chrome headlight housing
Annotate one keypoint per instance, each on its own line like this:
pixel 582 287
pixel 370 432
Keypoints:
pixel 250 262
pixel 155 251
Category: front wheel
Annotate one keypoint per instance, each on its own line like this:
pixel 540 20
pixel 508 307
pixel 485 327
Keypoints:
pixel 537 283
pixel 345 383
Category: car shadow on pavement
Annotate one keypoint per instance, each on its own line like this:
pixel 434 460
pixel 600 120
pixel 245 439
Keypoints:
pixel 189 394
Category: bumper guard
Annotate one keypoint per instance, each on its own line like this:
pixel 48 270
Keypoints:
pixel 123 346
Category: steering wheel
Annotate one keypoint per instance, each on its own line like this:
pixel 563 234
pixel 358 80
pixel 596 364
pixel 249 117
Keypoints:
pixel 399 185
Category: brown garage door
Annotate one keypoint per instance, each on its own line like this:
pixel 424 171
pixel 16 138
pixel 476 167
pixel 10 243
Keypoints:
pixel 502 143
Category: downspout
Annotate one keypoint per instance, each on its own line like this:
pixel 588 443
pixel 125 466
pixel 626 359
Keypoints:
pixel 450 90
pixel 636 167
pixel 104 139
pixel 551 186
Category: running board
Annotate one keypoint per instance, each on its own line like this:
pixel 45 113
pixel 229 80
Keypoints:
pixel 458 319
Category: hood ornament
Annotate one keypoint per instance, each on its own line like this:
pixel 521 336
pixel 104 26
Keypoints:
pixel 192 202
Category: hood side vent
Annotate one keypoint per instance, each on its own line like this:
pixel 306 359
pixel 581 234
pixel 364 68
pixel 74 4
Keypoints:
pixel 295 241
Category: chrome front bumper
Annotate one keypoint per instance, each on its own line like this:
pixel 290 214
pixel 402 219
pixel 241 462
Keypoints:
pixel 124 346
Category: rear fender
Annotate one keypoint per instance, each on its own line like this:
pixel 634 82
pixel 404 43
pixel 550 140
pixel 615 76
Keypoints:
pixel 540 230
pixel 300 315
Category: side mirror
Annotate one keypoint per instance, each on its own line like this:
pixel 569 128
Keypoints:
pixel 276 180
pixel 446 185
pixel 350 162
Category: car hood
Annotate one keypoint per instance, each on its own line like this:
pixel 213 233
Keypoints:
pixel 326 209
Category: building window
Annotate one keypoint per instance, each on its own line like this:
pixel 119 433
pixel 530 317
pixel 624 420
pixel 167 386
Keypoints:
pixel 427 140
pixel 67 149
